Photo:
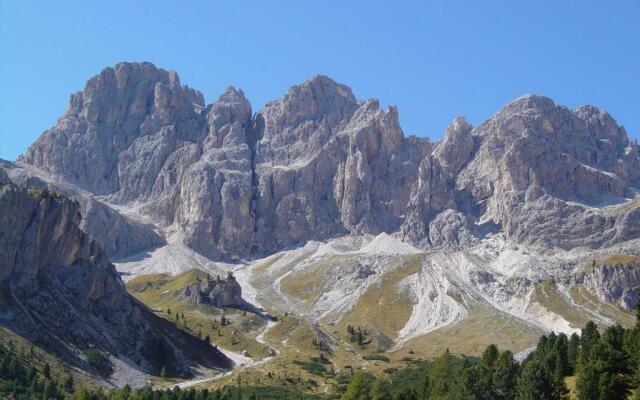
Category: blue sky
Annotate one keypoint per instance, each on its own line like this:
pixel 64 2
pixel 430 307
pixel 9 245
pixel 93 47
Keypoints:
pixel 435 60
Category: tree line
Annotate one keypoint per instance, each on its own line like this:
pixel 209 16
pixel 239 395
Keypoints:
pixel 605 365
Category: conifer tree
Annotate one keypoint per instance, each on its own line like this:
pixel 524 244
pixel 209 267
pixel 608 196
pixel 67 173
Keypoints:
pixel 573 349
pixel 359 387
pixel 441 373
pixel 505 376
pixel 46 371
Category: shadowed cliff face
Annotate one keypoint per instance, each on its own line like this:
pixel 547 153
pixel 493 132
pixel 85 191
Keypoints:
pixel 60 290
pixel 318 163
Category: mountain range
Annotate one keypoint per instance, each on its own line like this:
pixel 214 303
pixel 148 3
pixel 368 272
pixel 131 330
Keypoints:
pixel 325 214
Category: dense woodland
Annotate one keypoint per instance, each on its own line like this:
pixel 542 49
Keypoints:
pixel 605 365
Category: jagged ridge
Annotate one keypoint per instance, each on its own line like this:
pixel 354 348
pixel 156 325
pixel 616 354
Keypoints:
pixel 319 163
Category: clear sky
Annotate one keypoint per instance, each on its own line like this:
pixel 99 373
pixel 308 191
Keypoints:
pixel 435 60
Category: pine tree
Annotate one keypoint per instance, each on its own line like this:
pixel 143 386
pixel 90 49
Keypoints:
pixel 34 387
pixel 68 383
pixel 533 383
pixel 441 375
pixel 472 383
pixel 360 338
pixel 589 339
pixel 614 338
pixel 573 349
pixel 560 390
pixel 490 355
pixel 46 371
pixel 50 390
pixel 587 384
pixel 505 376
pixel 379 390
pixel 561 347
pixel 612 386
pixel 359 387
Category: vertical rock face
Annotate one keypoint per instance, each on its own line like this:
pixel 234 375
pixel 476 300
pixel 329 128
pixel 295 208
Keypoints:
pixel 330 171
pixel 214 197
pixel 117 234
pixel 532 169
pixel 614 282
pixel 303 121
pixel 318 163
pixel 117 132
pixel 312 165
pixel 59 288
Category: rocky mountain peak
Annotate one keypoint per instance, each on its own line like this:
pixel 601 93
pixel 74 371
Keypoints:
pixel 319 98
pixel 456 147
pixel 528 102
pixel 117 110
pixel 326 94
pixel 319 163
pixel 230 113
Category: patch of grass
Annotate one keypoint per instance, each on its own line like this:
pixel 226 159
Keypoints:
pixel 375 357
pixel 295 332
pixel 314 367
pixel 582 297
pixel 547 295
pixel 383 306
pixel 616 259
pixel 307 284
pixel 623 259
pixel 146 282
pixel 630 206
pixel 44 194
pixel 159 292
pixel 266 264
pixel 484 326
pixel 390 371
pixel 570 381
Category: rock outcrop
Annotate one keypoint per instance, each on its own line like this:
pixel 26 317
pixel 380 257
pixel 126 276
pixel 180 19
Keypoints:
pixel 117 234
pixel 60 290
pixel 216 292
pixel 319 163
pixel 614 282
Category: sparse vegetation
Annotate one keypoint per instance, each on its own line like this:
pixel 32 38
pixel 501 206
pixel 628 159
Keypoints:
pixel 44 194
pixel 593 366
pixel 376 357
pixel 228 328
pixel 315 366
pixel 95 358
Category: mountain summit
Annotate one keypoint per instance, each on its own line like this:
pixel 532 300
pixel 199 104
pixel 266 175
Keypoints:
pixel 318 163
pixel 325 217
